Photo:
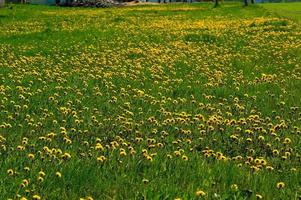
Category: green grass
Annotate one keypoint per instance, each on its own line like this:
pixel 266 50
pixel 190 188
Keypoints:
pixel 290 10
pixel 198 98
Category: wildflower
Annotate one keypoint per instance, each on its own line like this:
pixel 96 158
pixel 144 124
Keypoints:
pixel 177 153
pixel 41 173
pixel 149 158
pixel 138 139
pixel 31 156
pixel 185 158
pixel 200 193
pixel 122 153
pixel 280 185
pixel 287 154
pixel 36 197
pixel 263 162
pixel 144 151
pixel 66 156
pixel 10 172
pixel 101 158
pixel 255 168
pixel 40 179
pixel 58 174
pixel 287 141
pixel 258 196
pixel 27 169
pixel 283 157
pixel 234 187
pixel 160 145
pixel 145 181
pixel 20 148
pixel 257 161
pixel 275 152
pixel 133 152
pixel 25 182
pixel 270 168
pixel 261 138
pixel 25 141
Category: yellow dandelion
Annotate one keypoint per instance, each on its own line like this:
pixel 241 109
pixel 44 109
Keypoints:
pixel 122 153
pixel 177 153
pixel 280 185
pixel 58 174
pixel 145 181
pixel 27 169
pixel 275 152
pixel 149 158
pixel 258 196
pixel 40 179
pixel 25 182
pixel 10 172
pixel 41 173
pixel 30 155
pixel 101 158
pixel 66 156
pixel 20 148
pixel 36 197
pixel 234 187
pixel 200 193
pixel 169 156
pixel 185 158
pixel 287 141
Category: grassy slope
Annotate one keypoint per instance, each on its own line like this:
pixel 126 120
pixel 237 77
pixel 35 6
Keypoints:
pixel 291 10
pixel 87 58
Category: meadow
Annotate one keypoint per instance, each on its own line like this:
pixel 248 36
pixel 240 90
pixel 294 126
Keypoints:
pixel 288 10
pixel 180 101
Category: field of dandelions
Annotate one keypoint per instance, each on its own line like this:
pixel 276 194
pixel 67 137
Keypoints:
pixel 177 101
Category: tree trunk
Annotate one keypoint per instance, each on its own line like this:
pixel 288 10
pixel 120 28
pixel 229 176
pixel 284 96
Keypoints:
pixel 216 4
pixel 252 1
pixel 246 2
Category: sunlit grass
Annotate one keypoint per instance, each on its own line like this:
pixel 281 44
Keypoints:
pixel 290 10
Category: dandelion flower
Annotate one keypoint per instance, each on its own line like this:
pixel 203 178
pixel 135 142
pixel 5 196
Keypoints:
pixel 145 181
pixel 58 174
pixel 280 185
pixel 185 158
pixel 41 173
pixel 36 197
pixel 258 196
pixel 40 179
pixel 200 193
pixel 234 187
pixel 10 172
pixel 30 155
